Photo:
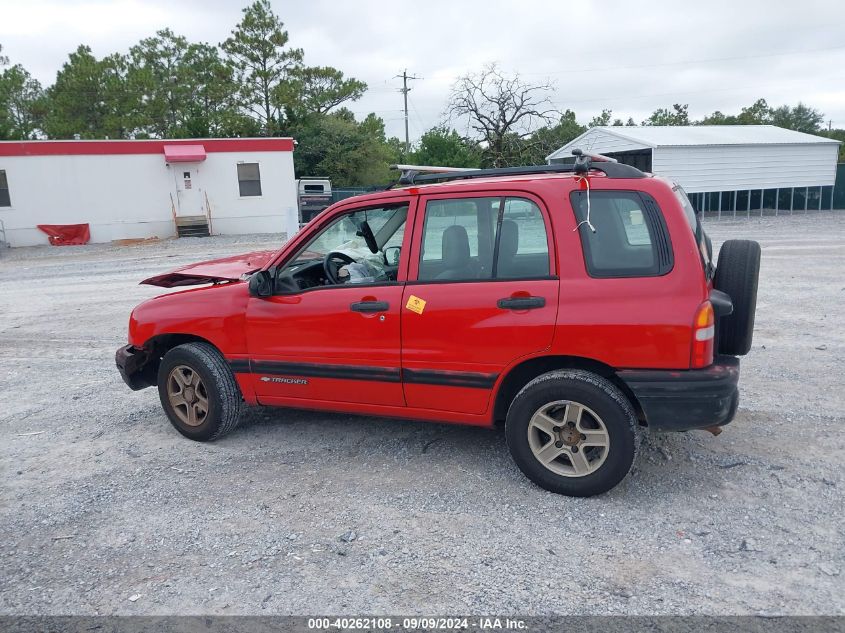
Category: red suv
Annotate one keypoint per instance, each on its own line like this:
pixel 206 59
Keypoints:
pixel 577 304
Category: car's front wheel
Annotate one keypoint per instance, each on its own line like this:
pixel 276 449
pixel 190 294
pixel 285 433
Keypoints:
pixel 198 391
pixel 572 432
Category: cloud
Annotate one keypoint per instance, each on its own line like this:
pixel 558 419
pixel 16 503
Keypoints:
pixel 631 57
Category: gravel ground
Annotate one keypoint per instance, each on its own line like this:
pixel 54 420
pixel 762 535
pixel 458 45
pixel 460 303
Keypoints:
pixel 105 509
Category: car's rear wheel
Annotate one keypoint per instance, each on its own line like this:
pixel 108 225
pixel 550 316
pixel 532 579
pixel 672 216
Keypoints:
pixel 572 432
pixel 198 392
pixel 737 272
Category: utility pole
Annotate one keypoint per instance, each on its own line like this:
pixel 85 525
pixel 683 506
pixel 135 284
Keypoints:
pixel 405 90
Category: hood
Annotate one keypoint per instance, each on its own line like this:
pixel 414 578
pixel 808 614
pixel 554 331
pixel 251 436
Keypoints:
pixel 226 269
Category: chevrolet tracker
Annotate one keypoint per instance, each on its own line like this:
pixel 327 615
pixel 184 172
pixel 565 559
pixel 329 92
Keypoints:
pixel 575 304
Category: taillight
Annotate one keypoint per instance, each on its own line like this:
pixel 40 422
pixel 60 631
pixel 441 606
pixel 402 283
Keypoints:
pixel 703 334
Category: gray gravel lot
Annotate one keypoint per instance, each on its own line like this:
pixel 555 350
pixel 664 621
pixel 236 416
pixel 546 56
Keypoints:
pixel 105 509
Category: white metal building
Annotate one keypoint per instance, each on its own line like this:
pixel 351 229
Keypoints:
pixel 147 188
pixel 725 168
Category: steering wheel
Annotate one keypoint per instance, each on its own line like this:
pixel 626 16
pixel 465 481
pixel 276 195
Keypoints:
pixel 329 264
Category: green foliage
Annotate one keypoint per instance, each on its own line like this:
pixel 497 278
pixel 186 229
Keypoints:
pixel 22 104
pixel 91 98
pixel 261 59
pixel 316 90
pixel 601 120
pixel 443 146
pixel 185 89
pixel 212 110
pixel 548 139
pixel 801 118
pixel 678 115
pixel 839 135
pixel 349 152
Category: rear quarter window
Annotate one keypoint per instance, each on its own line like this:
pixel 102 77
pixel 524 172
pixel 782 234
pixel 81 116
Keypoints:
pixel 630 237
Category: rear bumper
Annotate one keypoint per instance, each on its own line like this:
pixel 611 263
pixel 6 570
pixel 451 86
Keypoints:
pixel 134 366
pixel 681 400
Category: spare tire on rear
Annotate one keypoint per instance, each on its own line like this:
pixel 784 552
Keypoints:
pixel 737 272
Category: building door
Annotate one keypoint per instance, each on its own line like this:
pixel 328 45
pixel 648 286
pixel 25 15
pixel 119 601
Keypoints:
pixel 189 195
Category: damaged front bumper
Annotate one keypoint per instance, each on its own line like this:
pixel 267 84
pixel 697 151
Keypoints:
pixel 135 367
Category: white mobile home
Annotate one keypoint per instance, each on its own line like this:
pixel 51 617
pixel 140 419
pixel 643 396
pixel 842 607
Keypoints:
pixel 147 188
pixel 725 168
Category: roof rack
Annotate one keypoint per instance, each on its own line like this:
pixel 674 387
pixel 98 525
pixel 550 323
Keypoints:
pixel 409 172
pixel 584 162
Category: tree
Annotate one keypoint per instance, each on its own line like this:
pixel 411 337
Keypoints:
pixel 443 146
pixel 839 135
pixel 212 110
pixel 21 104
pixel 602 119
pixel 317 90
pixel 800 117
pixel 548 139
pixel 157 70
pixel 503 110
pixel 91 98
pixel 261 60
pixel 678 115
pixel 339 147
pixel 758 113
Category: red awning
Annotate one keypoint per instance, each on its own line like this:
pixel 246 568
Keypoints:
pixel 184 153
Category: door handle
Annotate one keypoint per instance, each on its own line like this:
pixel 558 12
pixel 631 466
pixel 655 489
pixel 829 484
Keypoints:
pixel 370 306
pixel 521 303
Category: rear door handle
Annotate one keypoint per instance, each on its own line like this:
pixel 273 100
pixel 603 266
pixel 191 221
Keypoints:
pixel 370 306
pixel 521 303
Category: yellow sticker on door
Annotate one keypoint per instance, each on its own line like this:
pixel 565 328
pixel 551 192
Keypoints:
pixel 415 304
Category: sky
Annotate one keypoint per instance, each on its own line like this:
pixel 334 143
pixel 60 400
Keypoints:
pixel 631 57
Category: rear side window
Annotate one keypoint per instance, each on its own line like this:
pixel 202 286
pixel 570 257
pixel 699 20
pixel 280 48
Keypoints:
pixel 523 247
pixel 630 238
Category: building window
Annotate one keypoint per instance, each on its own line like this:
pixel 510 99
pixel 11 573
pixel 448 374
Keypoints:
pixel 5 200
pixel 249 179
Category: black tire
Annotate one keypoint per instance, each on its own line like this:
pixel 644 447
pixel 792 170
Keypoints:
pixel 737 274
pixel 220 388
pixel 601 397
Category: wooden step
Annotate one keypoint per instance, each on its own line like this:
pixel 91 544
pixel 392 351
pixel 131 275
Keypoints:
pixel 191 220
pixel 192 226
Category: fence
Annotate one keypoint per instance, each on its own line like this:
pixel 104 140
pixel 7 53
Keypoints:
pixel 349 192
pixel 839 187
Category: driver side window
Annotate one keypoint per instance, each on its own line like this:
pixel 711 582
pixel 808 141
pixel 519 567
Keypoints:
pixel 358 247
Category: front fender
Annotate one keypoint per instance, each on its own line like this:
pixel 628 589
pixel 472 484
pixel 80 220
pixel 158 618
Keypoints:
pixel 216 314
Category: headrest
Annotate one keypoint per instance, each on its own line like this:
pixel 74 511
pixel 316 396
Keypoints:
pixel 455 246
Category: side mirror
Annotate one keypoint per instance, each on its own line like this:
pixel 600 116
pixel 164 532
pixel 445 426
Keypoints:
pixel 391 255
pixel 260 284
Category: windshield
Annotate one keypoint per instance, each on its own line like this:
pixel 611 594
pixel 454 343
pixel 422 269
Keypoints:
pixel 346 234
